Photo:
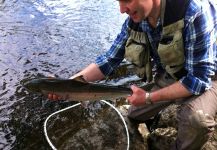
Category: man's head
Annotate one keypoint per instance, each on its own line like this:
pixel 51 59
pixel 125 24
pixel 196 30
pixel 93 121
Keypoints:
pixel 138 10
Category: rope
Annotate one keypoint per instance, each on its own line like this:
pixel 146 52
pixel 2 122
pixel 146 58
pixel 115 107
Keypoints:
pixel 119 113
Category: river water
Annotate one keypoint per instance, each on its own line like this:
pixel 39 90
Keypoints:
pixel 39 38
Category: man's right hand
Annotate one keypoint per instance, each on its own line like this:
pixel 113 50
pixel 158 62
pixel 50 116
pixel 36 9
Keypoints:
pixel 53 97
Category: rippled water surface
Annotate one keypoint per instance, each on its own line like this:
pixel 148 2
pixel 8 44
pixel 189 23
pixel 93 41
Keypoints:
pixel 39 38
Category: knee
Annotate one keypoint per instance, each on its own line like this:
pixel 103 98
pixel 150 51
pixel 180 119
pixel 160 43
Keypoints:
pixel 201 120
pixel 198 119
pixel 133 114
pixel 139 114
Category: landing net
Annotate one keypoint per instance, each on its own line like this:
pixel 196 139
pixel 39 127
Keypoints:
pixel 67 108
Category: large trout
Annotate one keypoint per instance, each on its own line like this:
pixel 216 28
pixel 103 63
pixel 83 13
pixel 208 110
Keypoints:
pixel 77 89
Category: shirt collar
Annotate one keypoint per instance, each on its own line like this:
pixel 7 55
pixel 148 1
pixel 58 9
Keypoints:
pixel 147 28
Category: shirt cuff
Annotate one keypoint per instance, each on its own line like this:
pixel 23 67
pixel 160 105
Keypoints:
pixel 195 85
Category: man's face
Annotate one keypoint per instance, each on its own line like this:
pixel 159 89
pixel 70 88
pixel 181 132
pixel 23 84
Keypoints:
pixel 138 10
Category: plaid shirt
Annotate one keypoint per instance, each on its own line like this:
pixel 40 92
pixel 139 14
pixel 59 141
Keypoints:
pixel 199 35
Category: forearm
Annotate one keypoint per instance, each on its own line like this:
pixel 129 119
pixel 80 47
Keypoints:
pixel 172 92
pixel 90 73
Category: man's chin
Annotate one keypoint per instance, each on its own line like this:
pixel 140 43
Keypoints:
pixel 136 20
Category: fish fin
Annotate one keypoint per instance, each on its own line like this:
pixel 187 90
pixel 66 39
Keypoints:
pixel 80 79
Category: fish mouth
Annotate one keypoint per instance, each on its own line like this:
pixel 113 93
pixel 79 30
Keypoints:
pixel 29 86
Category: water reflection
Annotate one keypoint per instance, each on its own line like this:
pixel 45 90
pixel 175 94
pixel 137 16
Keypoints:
pixel 39 38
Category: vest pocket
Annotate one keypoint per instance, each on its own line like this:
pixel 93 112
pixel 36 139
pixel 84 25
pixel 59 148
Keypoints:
pixel 135 53
pixel 138 53
pixel 172 54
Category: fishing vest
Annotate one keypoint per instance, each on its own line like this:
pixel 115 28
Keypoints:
pixel 170 48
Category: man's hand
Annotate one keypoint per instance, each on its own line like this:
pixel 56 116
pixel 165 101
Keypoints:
pixel 53 97
pixel 138 97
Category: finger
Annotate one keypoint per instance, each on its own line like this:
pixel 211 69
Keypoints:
pixel 129 99
pixel 50 96
pixel 133 87
pixel 55 97
pixel 59 97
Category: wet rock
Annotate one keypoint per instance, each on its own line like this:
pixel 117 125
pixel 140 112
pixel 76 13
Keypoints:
pixel 138 138
pixel 168 117
pixel 164 136
pixel 212 143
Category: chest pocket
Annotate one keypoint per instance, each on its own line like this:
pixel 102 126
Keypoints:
pixel 171 48
pixel 138 53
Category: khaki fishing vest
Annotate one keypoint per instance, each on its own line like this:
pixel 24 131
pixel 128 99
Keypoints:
pixel 137 51
pixel 170 49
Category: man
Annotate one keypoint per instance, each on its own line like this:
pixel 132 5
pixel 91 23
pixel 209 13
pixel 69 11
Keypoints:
pixel 179 37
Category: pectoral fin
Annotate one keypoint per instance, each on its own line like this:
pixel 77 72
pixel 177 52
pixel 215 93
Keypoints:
pixel 80 79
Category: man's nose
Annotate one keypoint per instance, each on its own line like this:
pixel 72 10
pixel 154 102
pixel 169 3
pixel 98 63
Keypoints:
pixel 123 8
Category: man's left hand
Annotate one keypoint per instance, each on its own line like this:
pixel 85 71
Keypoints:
pixel 138 96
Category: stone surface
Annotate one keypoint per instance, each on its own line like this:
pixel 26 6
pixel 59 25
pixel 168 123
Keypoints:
pixel 164 136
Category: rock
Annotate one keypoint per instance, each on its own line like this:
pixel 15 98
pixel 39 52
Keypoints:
pixel 212 143
pixel 138 140
pixel 164 136
pixel 168 117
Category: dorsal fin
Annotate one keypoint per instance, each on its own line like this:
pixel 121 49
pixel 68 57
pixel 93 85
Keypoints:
pixel 80 79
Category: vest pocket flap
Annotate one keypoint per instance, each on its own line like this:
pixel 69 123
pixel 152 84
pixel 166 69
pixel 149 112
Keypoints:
pixel 171 57
pixel 172 54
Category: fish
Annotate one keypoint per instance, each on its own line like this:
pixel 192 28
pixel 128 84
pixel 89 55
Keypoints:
pixel 76 89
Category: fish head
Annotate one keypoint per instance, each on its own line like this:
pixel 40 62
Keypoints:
pixel 33 86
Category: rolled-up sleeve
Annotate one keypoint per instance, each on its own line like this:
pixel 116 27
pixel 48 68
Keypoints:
pixel 109 61
pixel 200 49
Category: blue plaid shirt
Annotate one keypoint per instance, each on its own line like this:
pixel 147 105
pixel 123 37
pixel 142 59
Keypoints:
pixel 199 35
